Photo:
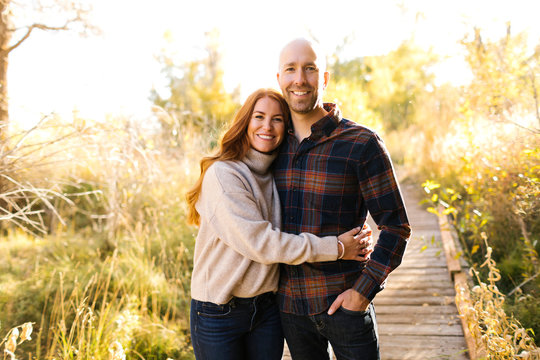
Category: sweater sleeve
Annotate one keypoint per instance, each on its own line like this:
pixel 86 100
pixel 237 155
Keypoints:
pixel 237 220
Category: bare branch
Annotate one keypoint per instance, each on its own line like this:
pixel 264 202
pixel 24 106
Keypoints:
pixel 31 196
pixel 524 282
pixel 505 119
pixel 535 93
pixel 40 27
pixel 25 135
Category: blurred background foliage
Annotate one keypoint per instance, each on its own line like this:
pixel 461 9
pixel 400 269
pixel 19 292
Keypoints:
pixel 95 250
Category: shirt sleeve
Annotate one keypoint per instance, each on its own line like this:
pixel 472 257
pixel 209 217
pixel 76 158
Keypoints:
pixel 381 193
pixel 237 220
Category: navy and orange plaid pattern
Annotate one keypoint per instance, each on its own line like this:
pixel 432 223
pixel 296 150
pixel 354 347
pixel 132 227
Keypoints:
pixel 327 184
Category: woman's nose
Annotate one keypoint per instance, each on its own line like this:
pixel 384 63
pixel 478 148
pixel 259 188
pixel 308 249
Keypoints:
pixel 267 124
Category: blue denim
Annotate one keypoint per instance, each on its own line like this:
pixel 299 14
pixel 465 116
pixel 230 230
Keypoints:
pixel 243 329
pixel 352 334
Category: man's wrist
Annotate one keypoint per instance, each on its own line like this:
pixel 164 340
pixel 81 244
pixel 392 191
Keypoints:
pixel 367 287
pixel 360 297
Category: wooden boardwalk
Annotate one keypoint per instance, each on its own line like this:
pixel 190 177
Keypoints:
pixel 416 313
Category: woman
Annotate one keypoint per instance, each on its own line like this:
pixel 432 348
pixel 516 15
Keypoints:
pixel 235 203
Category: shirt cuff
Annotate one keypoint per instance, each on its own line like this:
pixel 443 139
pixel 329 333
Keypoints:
pixel 367 287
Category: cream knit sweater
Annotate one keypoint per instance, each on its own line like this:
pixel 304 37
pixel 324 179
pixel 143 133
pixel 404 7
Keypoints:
pixel 239 242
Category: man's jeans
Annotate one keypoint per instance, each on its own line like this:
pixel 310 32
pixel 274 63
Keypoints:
pixel 244 328
pixel 352 334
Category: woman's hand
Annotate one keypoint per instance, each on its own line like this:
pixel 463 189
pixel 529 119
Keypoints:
pixel 358 243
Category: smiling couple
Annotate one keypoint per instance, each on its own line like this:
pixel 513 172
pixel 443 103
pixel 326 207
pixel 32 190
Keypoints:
pixel 282 249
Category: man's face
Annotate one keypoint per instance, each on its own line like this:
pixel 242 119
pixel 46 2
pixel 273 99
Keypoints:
pixel 301 77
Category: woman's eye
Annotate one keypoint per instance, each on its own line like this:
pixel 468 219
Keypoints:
pixel 278 119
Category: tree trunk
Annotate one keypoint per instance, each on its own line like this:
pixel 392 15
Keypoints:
pixel 5 37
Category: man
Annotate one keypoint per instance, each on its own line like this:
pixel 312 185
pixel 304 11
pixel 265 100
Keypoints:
pixel 330 172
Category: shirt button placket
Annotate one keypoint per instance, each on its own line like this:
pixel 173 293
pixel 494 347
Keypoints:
pixel 295 193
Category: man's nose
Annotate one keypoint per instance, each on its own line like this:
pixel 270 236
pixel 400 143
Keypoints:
pixel 300 77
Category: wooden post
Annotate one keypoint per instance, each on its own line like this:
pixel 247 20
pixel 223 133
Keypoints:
pixel 459 277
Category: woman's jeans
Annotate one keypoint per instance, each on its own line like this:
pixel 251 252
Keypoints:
pixel 244 328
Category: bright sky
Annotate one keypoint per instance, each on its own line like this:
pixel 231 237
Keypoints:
pixel 114 73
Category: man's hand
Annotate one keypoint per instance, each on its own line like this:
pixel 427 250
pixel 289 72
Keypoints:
pixel 358 243
pixel 350 300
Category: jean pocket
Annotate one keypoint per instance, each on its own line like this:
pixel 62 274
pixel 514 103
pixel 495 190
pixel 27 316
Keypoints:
pixel 353 312
pixel 212 310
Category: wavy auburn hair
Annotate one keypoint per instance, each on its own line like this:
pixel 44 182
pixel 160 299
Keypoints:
pixel 234 144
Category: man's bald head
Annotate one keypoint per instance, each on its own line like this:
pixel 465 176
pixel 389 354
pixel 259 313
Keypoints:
pixel 299 43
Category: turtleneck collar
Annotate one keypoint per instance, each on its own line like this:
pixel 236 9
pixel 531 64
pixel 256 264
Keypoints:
pixel 258 162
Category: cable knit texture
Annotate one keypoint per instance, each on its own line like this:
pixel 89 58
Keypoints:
pixel 239 242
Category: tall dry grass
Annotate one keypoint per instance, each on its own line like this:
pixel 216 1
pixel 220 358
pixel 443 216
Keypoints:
pixel 97 256
pixel 496 334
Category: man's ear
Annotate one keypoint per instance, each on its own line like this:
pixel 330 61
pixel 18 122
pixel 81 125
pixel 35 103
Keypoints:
pixel 326 79
pixel 277 77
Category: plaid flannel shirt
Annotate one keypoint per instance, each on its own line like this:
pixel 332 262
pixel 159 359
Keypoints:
pixel 327 184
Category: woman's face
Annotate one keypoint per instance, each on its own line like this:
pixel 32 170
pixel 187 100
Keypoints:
pixel 266 127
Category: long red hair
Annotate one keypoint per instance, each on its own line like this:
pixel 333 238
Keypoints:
pixel 234 144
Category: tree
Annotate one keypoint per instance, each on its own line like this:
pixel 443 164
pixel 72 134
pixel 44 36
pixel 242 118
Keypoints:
pixel 347 88
pixel 17 22
pixel 197 102
pixel 396 82
pixel 391 84
pixel 506 77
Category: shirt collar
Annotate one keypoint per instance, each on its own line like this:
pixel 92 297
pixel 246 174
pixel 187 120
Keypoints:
pixel 326 124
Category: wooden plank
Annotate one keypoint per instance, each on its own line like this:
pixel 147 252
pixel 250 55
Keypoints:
pixel 418 319
pixel 420 310
pixel 421 263
pixel 421 271
pixel 420 301
pixel 419 353
pixel 428 287
pixel 422 347
pixel 434 254
pixel 434 280
pixel 461 283
pixel 412 292
pixel 449 246
pixel 428 250
pixel 423 329
pixel 428 342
